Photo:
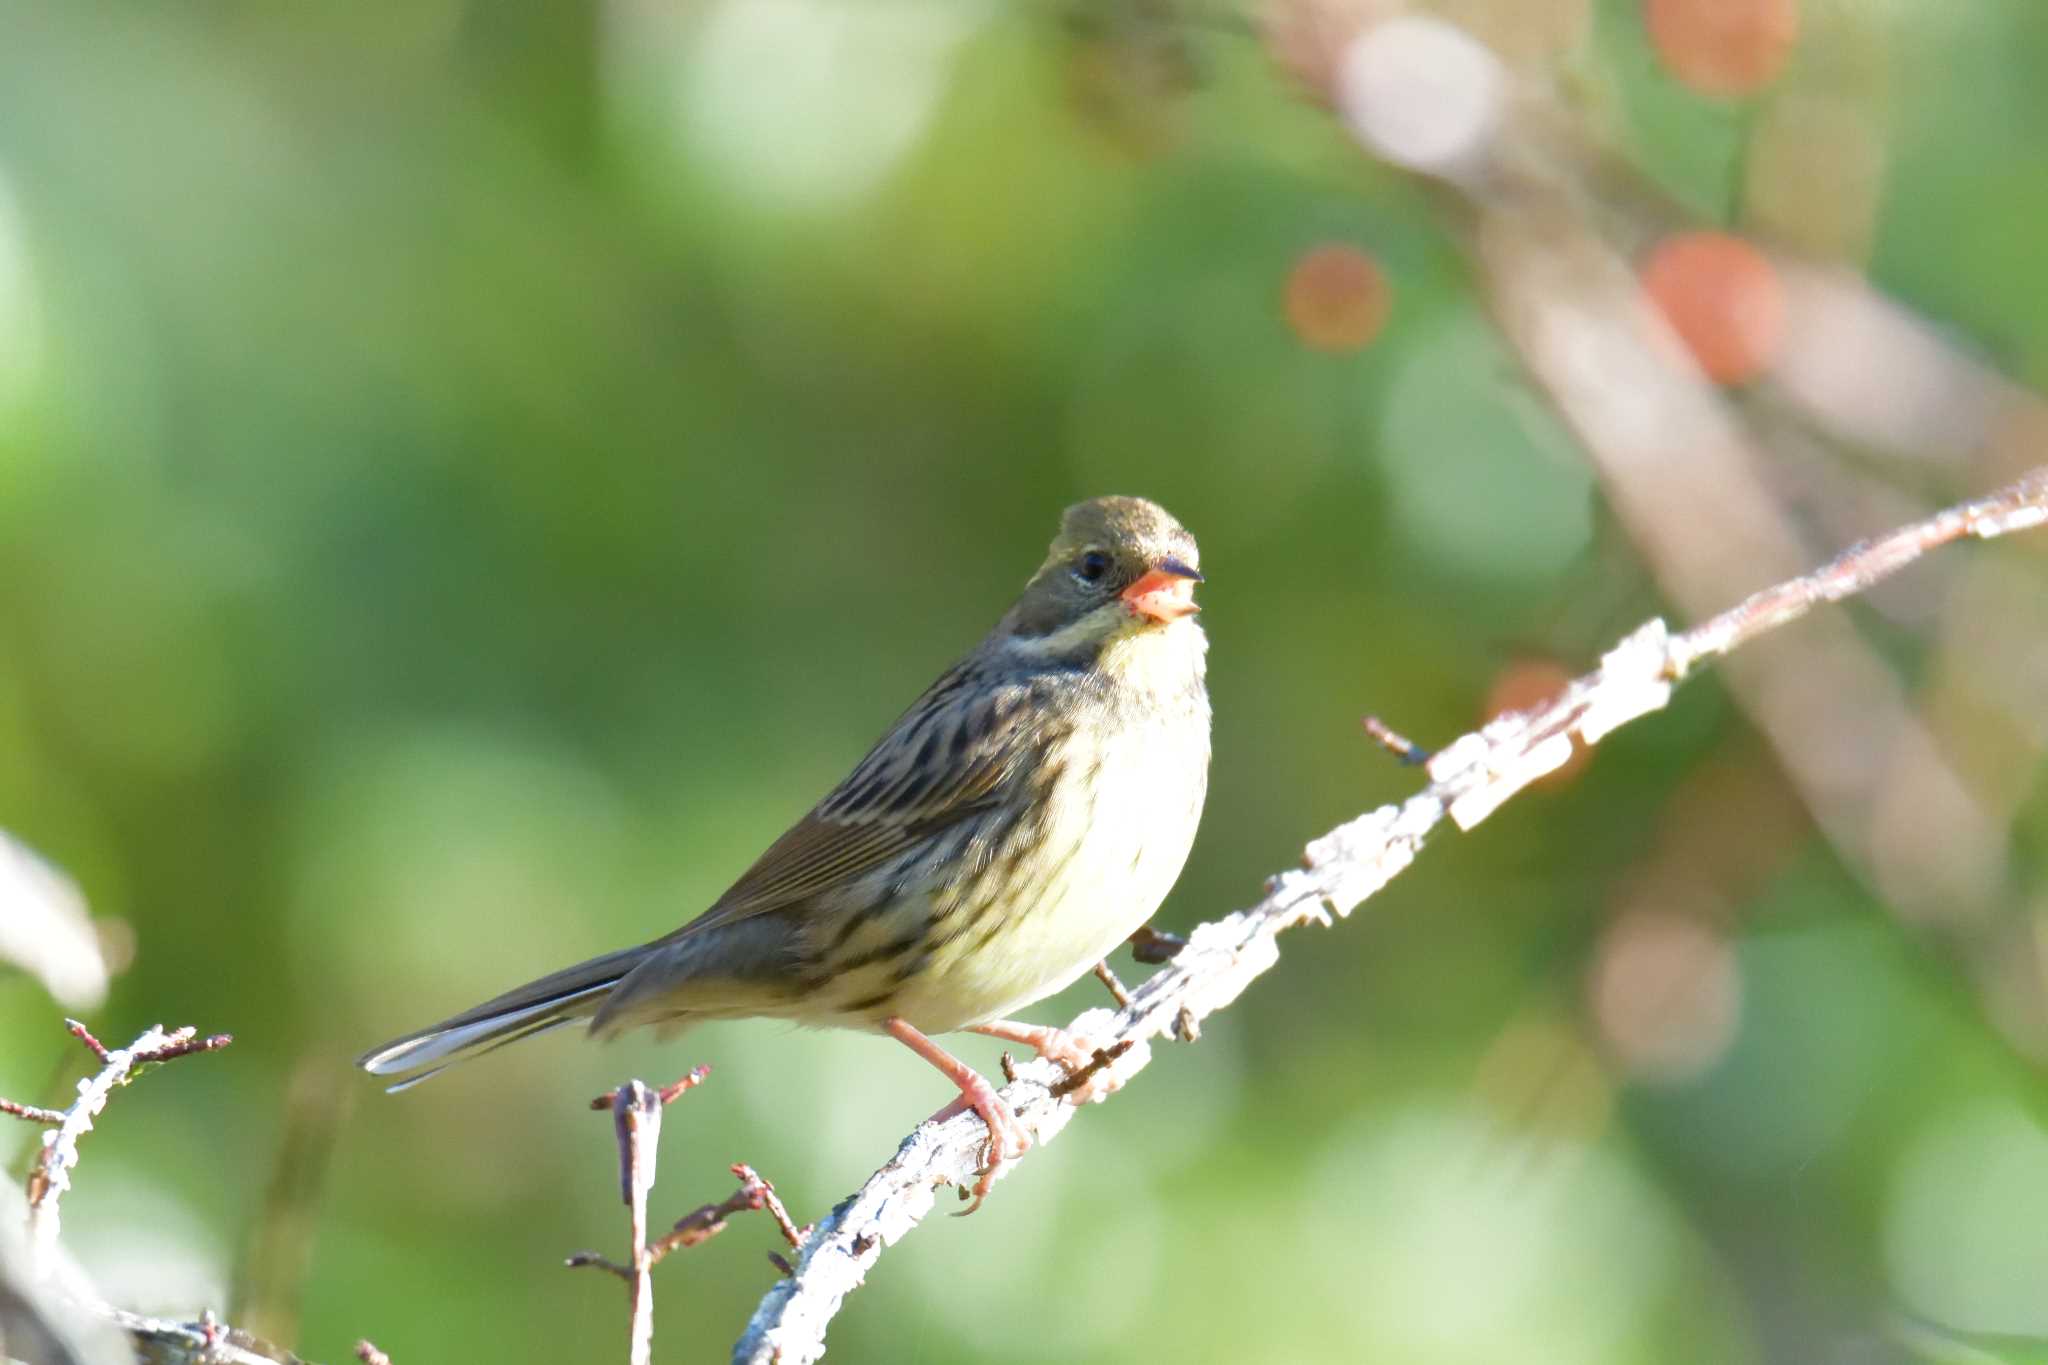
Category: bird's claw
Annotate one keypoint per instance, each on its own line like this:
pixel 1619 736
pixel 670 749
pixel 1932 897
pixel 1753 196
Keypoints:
pixel 1007 1136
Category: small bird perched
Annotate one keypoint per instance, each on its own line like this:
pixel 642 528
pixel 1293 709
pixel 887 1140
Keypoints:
pixel 1026 815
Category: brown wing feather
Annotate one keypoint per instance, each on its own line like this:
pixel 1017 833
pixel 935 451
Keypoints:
pixel 953 753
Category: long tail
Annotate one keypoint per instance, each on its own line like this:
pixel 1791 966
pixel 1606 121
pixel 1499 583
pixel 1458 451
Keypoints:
pixel 572 993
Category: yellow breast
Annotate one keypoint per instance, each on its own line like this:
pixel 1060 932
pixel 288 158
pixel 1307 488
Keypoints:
pixel 1113 835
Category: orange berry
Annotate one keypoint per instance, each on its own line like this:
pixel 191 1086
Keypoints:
pixel 1723 298
pixel 1337 298
pixel 1723 47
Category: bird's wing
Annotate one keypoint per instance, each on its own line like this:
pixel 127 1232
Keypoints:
pixel 953 753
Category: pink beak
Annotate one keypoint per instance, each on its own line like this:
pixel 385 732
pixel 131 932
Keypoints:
pixel 1166 593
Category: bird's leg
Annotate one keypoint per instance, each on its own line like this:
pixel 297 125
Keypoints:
pixel 1004 1129
pixel 1081 1056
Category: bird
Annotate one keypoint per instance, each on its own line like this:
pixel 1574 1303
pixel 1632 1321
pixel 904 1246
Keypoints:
pixel 1028 813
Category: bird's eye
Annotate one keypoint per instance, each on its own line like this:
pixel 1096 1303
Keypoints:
pixel 1091 566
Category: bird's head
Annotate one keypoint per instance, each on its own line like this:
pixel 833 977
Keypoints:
pixel 1119 566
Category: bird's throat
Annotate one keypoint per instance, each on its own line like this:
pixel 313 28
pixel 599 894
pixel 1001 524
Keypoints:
pixel 1160 660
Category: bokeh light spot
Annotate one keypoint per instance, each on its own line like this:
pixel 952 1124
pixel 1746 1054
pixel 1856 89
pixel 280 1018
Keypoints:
pixel 1967 1229
pixel 1723 298
pixel 1665 993
pixel 1422 93
pixel 1480 481
pixel 1337 298
pixel 795 105
pixel 1451 1238
pixel 1723 47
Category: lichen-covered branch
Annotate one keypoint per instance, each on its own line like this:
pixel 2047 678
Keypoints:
pixel 50 1177
pixel 154 1341
pixel 164 1341
pixel 1469 779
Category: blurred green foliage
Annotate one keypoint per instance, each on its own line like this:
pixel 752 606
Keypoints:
pixel 471 473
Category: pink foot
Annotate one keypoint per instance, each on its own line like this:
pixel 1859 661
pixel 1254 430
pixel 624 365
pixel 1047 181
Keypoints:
pixel 1080 1055
pixel 1007 1136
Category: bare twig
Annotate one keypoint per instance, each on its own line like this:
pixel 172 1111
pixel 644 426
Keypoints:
pixel 1469 779
pixel 50 1177
pixel 149 1340
pixel 2020 507
pixel 1395 743
pixel 31 1112
pixel 84 1035
pixel 772 1201
pixel 578 1260
pixel 636 1117
pixel 1114 984
pixel 702 1224
pixel 184 1045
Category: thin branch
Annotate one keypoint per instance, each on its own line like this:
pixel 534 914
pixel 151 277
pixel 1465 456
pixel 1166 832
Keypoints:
pixel 1469 779
pixel 701 1225
pixel 152 1340
pixel 2020 507
pixel 32 1113
pixel 166 1341
pixel 1395 743
pixel 84 1035
pixel 772 1201
pixel 50 1177
pixel 636 1117
pixel 1114 984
